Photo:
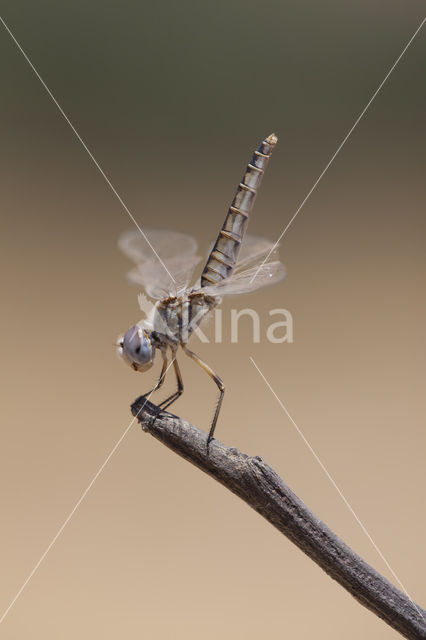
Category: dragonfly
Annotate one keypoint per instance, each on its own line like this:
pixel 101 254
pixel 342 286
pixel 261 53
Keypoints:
pixel 237 263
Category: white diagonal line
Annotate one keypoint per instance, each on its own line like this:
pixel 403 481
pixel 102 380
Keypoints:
pixel 92 157
pixel 339 148
pixel 336 487
pixel 77 504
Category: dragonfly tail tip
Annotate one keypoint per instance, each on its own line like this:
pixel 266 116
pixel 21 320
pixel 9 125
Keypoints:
pixel 272 139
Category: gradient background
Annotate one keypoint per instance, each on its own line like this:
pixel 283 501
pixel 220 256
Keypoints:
pixel 172 98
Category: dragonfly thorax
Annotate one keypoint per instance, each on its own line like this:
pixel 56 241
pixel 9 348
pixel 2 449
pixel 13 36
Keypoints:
pixel 175 319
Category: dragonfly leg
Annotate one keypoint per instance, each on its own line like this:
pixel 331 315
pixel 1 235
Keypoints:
pixel 161 378
pixel 217 381
pixel 168 401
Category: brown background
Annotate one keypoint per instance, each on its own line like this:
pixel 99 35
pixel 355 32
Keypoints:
pixel 172 97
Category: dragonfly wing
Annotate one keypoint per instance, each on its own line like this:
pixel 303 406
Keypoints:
pixel 146 278
pixel 157 282
pixel 168 244
pixel 254 250
pixel 172 274
pixel 251 279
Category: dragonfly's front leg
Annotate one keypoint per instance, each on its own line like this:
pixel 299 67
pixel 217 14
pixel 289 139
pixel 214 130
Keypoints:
pixel 168 401
pixel 217 381
pixel 160 381
pixel 161 378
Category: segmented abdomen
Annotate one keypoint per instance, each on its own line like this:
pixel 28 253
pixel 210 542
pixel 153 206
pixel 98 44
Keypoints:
pixel 223 257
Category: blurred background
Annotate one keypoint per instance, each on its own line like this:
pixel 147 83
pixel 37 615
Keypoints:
pixel 172 98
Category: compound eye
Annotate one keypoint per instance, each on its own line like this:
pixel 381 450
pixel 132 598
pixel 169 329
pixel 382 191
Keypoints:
pixel 137 346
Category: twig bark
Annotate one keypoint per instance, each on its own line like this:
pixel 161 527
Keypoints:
pixel 259 485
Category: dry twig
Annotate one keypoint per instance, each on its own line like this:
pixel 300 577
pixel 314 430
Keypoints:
pixel 259 485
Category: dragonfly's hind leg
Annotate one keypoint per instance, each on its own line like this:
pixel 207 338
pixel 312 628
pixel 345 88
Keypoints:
pixel 217 381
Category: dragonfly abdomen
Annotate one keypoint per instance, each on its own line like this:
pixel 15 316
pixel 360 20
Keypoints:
pixel 223 257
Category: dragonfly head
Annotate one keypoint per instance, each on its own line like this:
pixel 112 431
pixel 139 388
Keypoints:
pixel 136 348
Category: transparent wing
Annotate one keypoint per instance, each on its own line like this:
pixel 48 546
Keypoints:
pixel 168 244
pixel 178 260
pixel 254 250
pixel 249 280
pixel 157 282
